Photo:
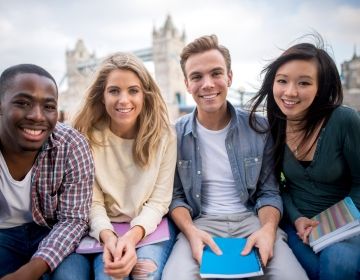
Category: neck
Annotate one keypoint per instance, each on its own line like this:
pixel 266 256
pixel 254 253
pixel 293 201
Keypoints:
pixel 125 133
pixel 214 120
pixel 293 126
pixel 18 163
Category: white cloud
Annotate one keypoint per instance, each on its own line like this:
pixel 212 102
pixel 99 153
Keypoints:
pixel 254 30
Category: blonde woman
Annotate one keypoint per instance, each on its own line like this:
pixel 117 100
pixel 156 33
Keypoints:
pixel 125 120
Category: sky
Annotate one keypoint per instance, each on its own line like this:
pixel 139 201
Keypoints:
pixel 255 31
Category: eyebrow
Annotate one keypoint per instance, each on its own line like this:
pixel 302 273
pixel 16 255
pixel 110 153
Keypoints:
pixel 29 96
pixel 302 76
pixel 212 70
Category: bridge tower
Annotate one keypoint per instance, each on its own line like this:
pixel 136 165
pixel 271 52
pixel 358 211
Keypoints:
pixel 167 45
pixel 78 78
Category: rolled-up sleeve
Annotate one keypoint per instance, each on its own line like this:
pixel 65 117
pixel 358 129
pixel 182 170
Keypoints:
pixel 268 193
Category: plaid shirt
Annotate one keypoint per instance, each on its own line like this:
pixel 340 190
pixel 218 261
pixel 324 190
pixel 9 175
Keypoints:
pixel 62 182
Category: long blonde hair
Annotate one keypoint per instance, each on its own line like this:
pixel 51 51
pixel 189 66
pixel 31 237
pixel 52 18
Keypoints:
pixel 152 121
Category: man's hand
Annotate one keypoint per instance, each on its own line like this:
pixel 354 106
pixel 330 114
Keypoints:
pixel 303 227
pixel 264 240
pixel 198 239
pixel 33 270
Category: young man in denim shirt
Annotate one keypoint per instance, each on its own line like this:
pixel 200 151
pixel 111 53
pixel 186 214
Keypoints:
pixel 224 182
pixel 46 177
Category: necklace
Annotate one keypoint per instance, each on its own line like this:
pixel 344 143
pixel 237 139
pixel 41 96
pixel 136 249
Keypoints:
pixel 296 151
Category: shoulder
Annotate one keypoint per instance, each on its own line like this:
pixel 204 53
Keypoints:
pixel 66 135
pixel 184 123
pixel 243 120
pixel 344 115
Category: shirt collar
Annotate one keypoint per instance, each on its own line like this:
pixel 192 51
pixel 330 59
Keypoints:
pixel 191 127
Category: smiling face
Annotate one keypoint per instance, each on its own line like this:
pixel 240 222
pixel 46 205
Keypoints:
pixel 28 113
pixel 123 99
pixel 295 87
pixel 207 79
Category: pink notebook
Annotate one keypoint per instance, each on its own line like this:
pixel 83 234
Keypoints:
pixel 90 245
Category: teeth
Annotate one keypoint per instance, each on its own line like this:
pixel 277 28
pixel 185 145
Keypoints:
pixel 32 131
pixel 124 110
pixel 288 102
pixel 209 96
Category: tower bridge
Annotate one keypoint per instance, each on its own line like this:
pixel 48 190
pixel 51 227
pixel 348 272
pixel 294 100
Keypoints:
pixel 167 44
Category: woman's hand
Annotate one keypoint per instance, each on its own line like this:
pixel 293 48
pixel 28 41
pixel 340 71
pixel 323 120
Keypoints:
pixel 303 227
pixel 120 253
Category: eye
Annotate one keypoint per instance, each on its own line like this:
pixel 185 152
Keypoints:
pixel 50 107
pixel 304 83
pixel 281 81
pixel 22 103
pixel 195 77
pixel 113 91
pixel 217 73
pixel 133 91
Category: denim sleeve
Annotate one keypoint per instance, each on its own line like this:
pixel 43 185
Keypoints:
pixel 179 199
pixel 268 193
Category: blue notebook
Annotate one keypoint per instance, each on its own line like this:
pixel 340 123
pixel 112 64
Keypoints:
pixel 231 264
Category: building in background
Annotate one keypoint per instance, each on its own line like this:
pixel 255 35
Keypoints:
pixel 167 44
pixel 350 74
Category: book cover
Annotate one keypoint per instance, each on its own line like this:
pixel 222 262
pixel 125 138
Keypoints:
pixel 337 223
pixel 231 264
pixel 89 245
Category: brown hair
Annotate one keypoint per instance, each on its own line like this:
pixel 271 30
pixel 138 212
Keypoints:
pixel 203 44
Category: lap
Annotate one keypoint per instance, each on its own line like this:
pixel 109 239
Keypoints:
pixel 282 266
pixel 18 244
pixel 157 253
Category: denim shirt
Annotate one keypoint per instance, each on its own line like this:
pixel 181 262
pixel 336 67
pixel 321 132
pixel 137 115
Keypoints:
pixel 250 159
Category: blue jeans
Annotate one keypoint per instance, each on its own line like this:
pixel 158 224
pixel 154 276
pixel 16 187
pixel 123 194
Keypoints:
pixel 18 244
pixel 158 253
pixel 338 261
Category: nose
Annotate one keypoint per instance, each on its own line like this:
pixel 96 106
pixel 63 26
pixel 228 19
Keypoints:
pixel 291 90
pixel 208 82
pixel 123 98
pixel 36 113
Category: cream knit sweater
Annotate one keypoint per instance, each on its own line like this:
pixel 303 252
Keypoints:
pixel 124 192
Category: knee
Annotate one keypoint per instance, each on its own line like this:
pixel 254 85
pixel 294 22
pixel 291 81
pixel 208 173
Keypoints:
pixel 143 269
pixel 338 259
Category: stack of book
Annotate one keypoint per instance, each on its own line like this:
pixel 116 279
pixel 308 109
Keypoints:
pixel 339 222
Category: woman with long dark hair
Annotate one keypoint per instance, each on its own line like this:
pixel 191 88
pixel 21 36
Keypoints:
pixel 316 153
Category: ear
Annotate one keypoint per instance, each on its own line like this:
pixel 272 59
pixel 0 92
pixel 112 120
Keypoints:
pixel 186 84
pixel 230 76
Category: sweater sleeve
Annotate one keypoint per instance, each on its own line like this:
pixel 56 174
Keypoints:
pixel 158 203
pixel 99 219
pixel 352 154
pixel 290 209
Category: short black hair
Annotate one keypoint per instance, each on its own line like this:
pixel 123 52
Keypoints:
pixel 10 73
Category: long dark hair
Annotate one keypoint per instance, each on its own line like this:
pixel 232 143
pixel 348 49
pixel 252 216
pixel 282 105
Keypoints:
pixel 329 96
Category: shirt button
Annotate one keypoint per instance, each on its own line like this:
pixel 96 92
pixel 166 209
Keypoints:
pixel 199 172
pixel 256 159
pixel 180 162
pixel 197 195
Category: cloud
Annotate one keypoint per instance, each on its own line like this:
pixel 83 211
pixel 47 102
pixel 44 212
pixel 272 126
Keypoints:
pixel 255 31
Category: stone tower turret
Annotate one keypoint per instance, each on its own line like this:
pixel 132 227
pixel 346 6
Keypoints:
pixel 78 78
pixel 167 46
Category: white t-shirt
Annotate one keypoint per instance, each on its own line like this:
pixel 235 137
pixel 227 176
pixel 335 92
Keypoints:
pixel 15 198
pixel 219 194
